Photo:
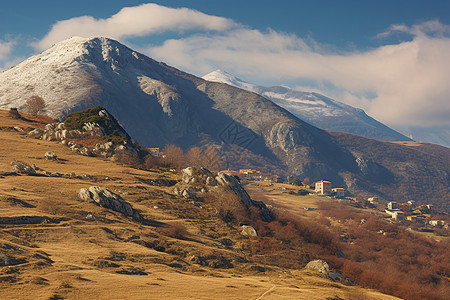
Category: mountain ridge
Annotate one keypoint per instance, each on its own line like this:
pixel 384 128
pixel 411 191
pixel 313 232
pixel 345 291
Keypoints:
pixel 158 105
pixel 316 109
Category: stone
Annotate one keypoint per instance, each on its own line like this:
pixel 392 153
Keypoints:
pixel 248 231
pixel 211 181
pixel 35 133
pixel 50 155
pixel 236 187
pixel 318 265
pixel 187 174
pixel 186 194
pixel 107 199
pixel 23 168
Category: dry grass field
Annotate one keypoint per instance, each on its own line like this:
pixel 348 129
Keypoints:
pixel 53 246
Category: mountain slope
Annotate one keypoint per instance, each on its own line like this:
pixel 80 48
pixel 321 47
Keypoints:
pixel 316 109
pixel 158 105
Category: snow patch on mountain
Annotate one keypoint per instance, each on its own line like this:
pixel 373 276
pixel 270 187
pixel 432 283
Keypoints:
pixel 316 109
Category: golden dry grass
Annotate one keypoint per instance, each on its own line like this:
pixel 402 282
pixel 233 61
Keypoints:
pixel 76 258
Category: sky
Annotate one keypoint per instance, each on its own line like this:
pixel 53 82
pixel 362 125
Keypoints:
pixel 390 58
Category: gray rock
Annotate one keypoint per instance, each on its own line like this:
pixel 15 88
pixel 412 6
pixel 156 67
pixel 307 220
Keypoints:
pixel 35 133
pixel 186 194
pixel 248 231
pixel 187 174
pixel 23 168
pixel 107 199
pixel 211 181
pixel 50 155
pixel 236 187
pixel 318 265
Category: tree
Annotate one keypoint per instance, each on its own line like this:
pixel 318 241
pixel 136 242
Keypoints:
pixel 194 157
pixel 34 104
pixel 174 156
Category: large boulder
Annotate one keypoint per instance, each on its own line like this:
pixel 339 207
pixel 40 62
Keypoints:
pixel 236 187
pixel 107 199
pixel 23 168
pixel 318 265
pixel 50 155
pixel 187 174
pixel 248 231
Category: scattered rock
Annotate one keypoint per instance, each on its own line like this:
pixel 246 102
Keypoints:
pixel 132 271
pixel 49 155
pixel 187 174
pixel 236 187
pixel 318 265
pixel 23 168
pixel 211 181
pixel 248 231
pixel 108 199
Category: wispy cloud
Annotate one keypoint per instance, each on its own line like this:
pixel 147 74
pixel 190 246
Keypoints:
pixel 135 21
pixel 409 79
pixel 6 48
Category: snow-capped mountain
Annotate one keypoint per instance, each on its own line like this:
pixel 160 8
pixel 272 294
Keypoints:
pixel 316 109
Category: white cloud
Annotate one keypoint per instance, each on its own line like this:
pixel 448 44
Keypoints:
pixel 410 79
pixel 5 53
pixel 5 49
pixel 407 81
pixel 135 21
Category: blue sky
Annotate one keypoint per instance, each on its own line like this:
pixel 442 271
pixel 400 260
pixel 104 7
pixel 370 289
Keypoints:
pixel 390 58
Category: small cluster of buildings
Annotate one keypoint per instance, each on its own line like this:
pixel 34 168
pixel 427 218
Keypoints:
pixel 415 214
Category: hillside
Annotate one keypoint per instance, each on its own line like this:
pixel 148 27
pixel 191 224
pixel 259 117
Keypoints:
pixel 54 246
pixel 159 105
pixel 316 109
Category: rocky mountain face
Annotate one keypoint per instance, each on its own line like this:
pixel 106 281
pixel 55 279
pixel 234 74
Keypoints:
pixel 158 105
pixel 316 109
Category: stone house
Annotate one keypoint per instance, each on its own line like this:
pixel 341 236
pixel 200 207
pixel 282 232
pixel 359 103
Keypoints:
pixel 323 187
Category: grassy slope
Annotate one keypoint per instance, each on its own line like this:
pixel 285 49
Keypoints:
pixel 78 247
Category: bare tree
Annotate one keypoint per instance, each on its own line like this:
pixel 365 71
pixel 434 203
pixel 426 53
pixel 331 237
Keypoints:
pixel 194 157
pixel 174 156
pixel 34 104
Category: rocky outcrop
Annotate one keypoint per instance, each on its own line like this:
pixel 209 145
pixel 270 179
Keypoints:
pixel 318 265
pixel 235 186
pixel 248 231
pixel 107 199
pixel 23 168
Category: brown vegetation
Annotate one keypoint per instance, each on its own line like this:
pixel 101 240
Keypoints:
pixel 34 104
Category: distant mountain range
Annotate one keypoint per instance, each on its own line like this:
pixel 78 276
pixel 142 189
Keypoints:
pixel 158 105
pixel 316 109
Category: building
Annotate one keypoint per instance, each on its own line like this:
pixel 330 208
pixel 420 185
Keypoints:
pixel 323 187
pixel 340 192
pixel 392 205
pixel 154 151
pixel 398 215
pixel 373 199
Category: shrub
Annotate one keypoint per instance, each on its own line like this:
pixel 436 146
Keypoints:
pixel 176 230
pixel 14 113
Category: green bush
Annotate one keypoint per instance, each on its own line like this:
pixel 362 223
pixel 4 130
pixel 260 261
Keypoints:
pixel 113 131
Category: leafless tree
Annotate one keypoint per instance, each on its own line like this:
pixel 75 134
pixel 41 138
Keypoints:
pixel 34 104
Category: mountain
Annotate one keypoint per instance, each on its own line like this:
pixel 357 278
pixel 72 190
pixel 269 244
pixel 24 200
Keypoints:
pixel 316 109
pixel 159 105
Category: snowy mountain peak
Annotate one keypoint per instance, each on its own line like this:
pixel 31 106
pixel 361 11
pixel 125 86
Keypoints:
pixel 315 109
pixel 225 77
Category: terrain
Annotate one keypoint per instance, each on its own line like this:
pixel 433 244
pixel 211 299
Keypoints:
pixel 54 246
pixel 316 109
pixel 159 105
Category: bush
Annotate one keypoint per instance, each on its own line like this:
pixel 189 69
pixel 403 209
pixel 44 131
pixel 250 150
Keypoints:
pixel 113 131
pixel 14 113
pixel 176 230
